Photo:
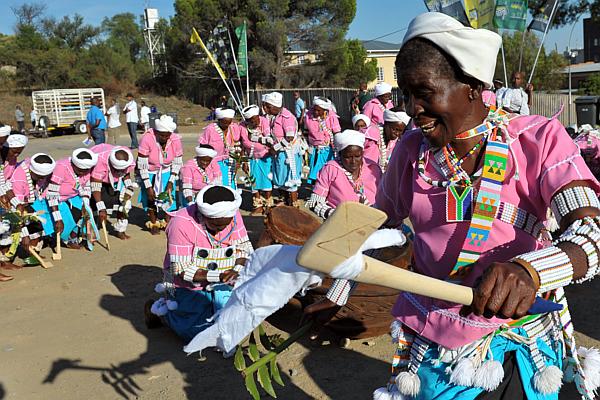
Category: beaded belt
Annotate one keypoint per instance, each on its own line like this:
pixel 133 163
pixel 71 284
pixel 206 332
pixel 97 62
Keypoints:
pixel 523 220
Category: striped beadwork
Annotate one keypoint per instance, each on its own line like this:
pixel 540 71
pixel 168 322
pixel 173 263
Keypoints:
pixel 571 199
pixel 553 266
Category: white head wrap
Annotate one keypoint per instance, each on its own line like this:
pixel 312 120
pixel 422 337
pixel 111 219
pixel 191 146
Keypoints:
pixel 274 99
pixel 16 140
pixel 347 138
pixel 221 113
pixel 205 152
pixel 165 124
pixel 84 163
pixel 361 117
pixel 475 50
pixel 382 88
pixel 322 102
pixel 5 130
pixel 399 116
pixel 221 209
pixel 120 164
pixel 250 111
pixel 41 169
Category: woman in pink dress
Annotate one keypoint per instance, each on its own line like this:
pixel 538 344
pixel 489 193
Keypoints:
pixel 322 124
pixel 207 246
pixel 9 154
pixel 382 101
pixel 380 143
pixel 112 187
pixel 199 172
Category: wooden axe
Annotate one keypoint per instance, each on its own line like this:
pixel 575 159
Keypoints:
pixel 105 232
pixel 43 263
pixel 58 254
pixel 342 235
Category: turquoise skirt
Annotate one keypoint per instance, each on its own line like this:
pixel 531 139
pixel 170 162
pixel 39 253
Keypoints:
pixel 260 169
pixel 318 158
pixel 143 197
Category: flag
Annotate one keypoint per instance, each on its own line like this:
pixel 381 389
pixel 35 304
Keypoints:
pixel 218 44
pixel 511 14
pixel 481 13
pixel 242 53
pixel 195 38
pixel 542 16
pixel 453 8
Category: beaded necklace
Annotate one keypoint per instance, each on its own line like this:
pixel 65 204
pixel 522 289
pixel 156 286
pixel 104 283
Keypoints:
pixel 324 128
pixel 383 158
pixel 218 243
pixel 357 185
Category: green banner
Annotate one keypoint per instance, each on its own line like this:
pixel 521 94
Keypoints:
pixel 242 56
pixel 511 14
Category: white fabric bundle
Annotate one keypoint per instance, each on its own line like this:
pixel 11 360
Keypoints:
pixel 250 111
pixel 205 152
pixel 221 209
pixel 361 117
pixel 347 138
pixel 84 163
pixel 5 130
pixel 120 164
pixel 41 169
pixel 16 140
pixel 221 113
pixel 165 124
pixel 382 88
pixel 322 102
pixel 475 50
pixel 396 116
pixel 274 99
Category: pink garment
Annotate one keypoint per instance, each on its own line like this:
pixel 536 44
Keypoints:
pixel 101 171
pixel 333 184
pixel 9 168
pixel 185 232
pixel 488 97
pixel 211 136
pixel 317 136
pixel 68 182
pixel 590 151
pixel 373 138
pixel 255 149
pixel 20 185
pixel 149 147
pixel 284 124
pixel 547 160
pixel 198 178
pixel 374 110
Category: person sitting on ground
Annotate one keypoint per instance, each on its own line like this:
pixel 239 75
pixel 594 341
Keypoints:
pixel 199 172
pixel 322 124
pixel 112 187
pixel 69 195
pixel 380 145
pixel 159 162
pixel 207 246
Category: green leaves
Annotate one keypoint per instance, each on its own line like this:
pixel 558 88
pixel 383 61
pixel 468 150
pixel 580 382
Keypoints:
pixel 239 362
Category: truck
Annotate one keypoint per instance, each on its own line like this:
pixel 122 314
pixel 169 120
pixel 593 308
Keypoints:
pixel 60 109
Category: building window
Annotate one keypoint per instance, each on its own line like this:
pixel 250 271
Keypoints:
pixel 395 74
pixel 380 76
pixel 301 59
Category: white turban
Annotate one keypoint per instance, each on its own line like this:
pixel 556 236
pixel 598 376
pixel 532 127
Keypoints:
pixel 399 116
pixel 221 209
pixel 250 111
pixel 475 50
pixel 205 152
pixel 165 124
pixel 361 117
pixel 221 113
pixel 84 163
pixel 5 130
pixel 263 97
pixel 41 169
pixel 274 99
pixel 120 164
pixel 347 138
pixel 322 102
pixel 16 140
pixel 382 88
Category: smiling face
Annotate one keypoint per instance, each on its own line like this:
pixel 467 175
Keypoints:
pixel 204 161
pixel 352 158
pixel 393 130
pixel 14 153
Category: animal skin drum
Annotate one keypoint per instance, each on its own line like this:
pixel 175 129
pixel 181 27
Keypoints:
pixel 367 313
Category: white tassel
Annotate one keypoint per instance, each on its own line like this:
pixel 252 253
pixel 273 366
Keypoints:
pixel 159 307
pixel 383 394
pixel 463 373
pixel 409 384
pixel 395 330
pixel 160 288
pixel 489 375
pixel 590 361
pixel 548 380
pixel 551 222
pixel 172 305
pixel 270 176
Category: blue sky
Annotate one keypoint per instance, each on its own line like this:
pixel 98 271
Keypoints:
pixel 374 18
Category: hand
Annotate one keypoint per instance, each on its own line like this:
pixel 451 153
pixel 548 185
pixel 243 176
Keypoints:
pixel 320 312
pixel 229 277
pixel 246 168
pixel 151 195
pixel 505 290
pixel 529 88
pixel 59 226
pixel 103 216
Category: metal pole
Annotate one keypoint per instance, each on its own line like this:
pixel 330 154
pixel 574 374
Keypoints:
pixel 247 65
pixel 543 39
pixel 236 67
pixel 504 64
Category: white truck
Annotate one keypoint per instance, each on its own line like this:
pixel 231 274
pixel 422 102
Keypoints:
pixel 64 108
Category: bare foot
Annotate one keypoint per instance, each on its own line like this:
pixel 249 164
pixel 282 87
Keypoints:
pixel 9 266
pixel 5 278
pixel 73 246
pixel 123 236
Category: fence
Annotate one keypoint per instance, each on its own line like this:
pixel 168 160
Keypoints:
pixel 546 104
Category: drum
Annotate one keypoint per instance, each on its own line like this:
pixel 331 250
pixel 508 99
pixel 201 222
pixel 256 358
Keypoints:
pixel 367 313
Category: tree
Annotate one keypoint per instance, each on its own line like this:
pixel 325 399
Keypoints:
pixel 591 86
pixel 70 33
pixel 28 14
pixel 124 34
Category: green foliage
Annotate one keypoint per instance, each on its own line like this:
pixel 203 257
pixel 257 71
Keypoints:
pixel 591 86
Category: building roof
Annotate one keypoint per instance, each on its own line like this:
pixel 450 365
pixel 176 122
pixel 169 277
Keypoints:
pixel 583 68
pixel 377 45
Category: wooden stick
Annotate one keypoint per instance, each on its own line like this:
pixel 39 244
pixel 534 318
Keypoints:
pixel 105 235
pixel 58 254
pixel 44 264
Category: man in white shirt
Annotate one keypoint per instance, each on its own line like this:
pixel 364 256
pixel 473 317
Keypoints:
pixel 516 99
pixel 145 115
pixel 113 122
pixel 132 119
pixel 33 118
